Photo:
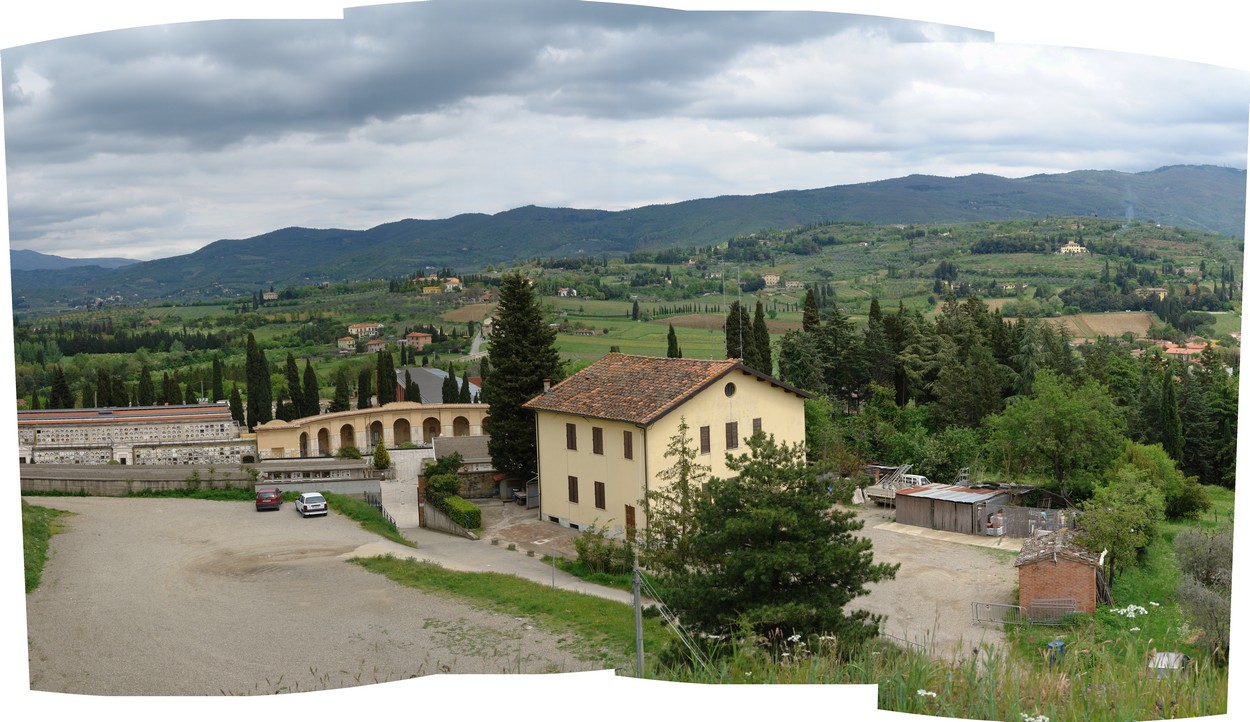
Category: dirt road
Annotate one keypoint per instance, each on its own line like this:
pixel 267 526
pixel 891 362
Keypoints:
pixel 187 597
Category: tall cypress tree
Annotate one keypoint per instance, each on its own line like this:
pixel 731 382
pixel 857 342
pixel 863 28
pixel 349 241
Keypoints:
pixel 236 406
pixel 466 394
pixel 103 389
pixel 451 389
pixel 674 351
pixel 811 311
pixel 342 393
pixel 219 388
pixel 294 389
pixel 737 327
pixel 364 389
pixel 1170 429
pixel 386 377
pixel 310 405
pixel 147 392
pixel 763 342
pixel 412 391
pixel 259 388
pixel 523 353
pixel 61 396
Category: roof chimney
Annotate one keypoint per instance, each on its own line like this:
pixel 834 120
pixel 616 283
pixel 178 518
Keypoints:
pixel 546 386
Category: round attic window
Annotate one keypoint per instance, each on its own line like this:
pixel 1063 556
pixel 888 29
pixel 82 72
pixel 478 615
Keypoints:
pixel 730 389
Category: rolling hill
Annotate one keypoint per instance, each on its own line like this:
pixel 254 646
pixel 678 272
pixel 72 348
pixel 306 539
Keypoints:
pixel 1205 198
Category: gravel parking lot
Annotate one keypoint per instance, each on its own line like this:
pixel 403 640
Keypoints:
pixel 929 602
pixel 189 597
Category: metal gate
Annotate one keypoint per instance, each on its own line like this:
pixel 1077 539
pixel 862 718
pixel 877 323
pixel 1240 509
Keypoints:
pixel 531 494
pixel 1040 611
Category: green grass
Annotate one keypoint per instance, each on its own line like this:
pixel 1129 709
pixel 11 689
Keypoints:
pixel 606 627
pixel 578 568
pixel 370 519
pixel 38 525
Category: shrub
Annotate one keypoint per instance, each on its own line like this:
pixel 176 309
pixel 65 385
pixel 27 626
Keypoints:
pixel 601 553
pixel 349 452
pixel 463 512
pixel 381 457
pixel 441 486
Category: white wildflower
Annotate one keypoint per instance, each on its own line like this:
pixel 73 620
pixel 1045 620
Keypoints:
pixel 925 693
pixel 1135 629
pixel 794 638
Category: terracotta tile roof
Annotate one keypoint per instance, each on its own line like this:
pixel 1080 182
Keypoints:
pixel 639 389
pixel 1047 545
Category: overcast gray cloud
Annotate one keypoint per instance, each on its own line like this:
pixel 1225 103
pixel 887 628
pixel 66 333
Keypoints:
pixel 155 141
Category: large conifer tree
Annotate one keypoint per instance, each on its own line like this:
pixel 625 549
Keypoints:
pixel 737 330
pixel 146 392
pixel 386 377
pixel 674 351
pixel 523 354
pixel 236 406
pixel 762 341
pixel 259 390
pixel 364 389
pixel 342 393
pixel 219 387
pixel 294 389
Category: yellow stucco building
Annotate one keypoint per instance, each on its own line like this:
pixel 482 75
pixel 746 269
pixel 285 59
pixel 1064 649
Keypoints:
pixel 395 423
pixel 603 432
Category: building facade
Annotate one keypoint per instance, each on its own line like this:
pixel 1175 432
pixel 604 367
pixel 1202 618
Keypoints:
pixel 395 424
pixel 1052 566
pixel 603 432
pixel 190 434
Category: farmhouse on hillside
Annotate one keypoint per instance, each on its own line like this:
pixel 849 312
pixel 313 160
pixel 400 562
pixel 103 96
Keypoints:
pixel 603 432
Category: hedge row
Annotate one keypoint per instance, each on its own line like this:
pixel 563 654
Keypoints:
pixel 462 512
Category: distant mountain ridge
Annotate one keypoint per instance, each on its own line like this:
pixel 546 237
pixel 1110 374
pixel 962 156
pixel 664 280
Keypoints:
pixel 26 260
pixel 1206 198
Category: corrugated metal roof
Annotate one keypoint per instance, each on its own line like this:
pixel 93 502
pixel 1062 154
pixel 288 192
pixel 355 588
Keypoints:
pixel 947 492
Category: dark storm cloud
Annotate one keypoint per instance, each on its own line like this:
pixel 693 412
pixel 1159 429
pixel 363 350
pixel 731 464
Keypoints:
pixel 210 84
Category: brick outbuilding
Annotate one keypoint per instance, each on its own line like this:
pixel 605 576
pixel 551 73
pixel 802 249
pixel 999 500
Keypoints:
pixel 1052 566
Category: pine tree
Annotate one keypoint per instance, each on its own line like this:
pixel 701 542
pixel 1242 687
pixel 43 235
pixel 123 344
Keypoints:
pixel 763 342
pixel 310 405
pixel 674 351
pixel 524 354
pixel 34 400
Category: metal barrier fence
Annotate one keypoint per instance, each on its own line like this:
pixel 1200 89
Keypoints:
pixel 998 613
pixel 1041 611
pixel 375 500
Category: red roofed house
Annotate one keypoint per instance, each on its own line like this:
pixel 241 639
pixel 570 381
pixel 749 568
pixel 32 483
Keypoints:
pixel 418 339
pixel 602 432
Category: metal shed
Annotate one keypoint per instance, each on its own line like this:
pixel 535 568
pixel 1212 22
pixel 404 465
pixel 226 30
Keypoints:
pixel 949 508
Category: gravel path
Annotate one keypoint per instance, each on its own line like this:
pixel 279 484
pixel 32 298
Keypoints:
pixel 189 597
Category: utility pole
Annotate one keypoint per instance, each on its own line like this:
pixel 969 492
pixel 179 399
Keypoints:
pixel 637 615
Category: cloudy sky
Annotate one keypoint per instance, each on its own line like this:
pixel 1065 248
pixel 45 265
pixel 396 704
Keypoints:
pixel 155 141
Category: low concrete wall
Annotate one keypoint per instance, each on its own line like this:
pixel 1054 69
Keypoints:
pixel 438 521
pixel 117 480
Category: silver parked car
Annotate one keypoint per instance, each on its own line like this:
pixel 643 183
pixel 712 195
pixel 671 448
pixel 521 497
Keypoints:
pixel 310 503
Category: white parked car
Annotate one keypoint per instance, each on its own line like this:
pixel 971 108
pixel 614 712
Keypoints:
pixel 311 503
